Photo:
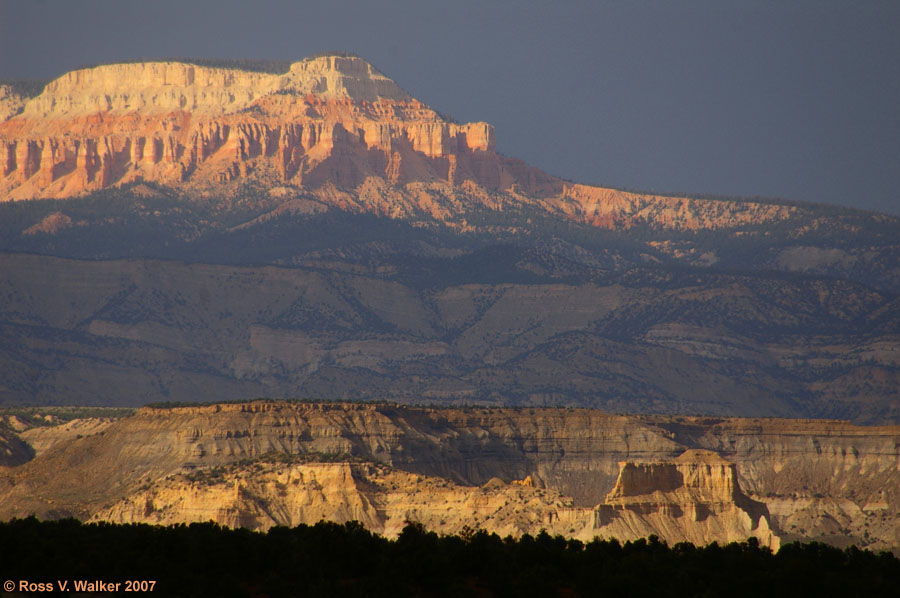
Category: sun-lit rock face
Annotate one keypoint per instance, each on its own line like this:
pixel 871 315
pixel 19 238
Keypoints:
pixel 149 87
pixel 580 473
pixel 695 498
pixel 327 123
pixel 382 499
pixel 701 474
pixel 689 500
pixel 341 76
pixel 331 118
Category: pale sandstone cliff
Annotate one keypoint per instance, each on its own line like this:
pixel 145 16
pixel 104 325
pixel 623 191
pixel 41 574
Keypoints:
pixel 329 118
pixel 832 480
pixel 698 508
pixel 766 478
pixel 332 126
pixel 695 498
pixel 260 496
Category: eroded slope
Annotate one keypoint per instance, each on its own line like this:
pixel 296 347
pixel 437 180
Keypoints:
pixel 585 473
pixel 132 332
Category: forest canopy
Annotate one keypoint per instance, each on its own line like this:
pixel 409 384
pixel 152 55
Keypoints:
pixel 331 559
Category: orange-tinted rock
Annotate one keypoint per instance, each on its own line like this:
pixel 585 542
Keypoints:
pixel 696 498
pixel 444 468
pixel 328 121
pixel 173 123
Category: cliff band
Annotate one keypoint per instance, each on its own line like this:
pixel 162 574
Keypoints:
pixel 328 124
pixel 575 472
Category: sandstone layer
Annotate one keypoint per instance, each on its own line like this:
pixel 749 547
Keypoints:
pixel 333 126
pixel 695 498
pixel 383 499
pixel 583 473
pixel 332 119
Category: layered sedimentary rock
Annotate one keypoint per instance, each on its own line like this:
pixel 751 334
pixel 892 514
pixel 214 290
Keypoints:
pixel 381 498
pixel 696 497
pixel 584 473
pixel 331 118
pixel 694 508
pixel 328 122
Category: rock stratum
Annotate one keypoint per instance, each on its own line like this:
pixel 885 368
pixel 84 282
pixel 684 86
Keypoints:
pixel 196 231
pixel 331 126
pixel 331 119
pixel 579 473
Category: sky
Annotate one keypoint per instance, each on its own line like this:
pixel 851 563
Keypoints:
pixel 795 99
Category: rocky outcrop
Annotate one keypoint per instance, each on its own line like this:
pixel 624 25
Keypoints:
pixel 258 498
pixel 334 119
pixel 695 498
pixel 43 438
pixel 614 209
pixel 148 87
pixel 331 121
pixel 587 473
pixel 699 508
pixel 381 498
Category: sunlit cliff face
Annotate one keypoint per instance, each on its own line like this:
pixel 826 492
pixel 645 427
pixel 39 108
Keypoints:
pixel 579 473
pixel 328 122
pixel 172 123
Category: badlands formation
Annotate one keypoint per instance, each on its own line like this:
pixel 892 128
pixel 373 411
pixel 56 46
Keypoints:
pixel 331 127
pixel 579 473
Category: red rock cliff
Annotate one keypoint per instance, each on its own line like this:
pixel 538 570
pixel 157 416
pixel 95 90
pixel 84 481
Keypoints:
pixel 171 123
pixel 331 125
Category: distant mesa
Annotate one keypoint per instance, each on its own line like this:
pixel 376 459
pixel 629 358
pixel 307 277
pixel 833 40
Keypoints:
pixel 175 123
pixel 332 125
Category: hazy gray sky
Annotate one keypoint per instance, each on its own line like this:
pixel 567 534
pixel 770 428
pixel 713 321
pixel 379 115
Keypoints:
pixel 797 99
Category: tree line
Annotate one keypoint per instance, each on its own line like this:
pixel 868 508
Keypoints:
pixel 331 559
